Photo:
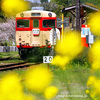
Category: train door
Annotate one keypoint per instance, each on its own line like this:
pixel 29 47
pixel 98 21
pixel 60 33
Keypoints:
pixel 36 33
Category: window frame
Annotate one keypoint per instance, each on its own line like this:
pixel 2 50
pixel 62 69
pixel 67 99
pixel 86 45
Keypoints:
pixel 48 19
pixel 24 19
pixel 38 23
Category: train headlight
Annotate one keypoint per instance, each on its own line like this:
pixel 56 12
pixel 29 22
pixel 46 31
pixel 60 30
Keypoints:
pixel 22 14
pixel 50 14
pixel 36 31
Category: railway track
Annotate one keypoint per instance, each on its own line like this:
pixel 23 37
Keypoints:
pixel 13 66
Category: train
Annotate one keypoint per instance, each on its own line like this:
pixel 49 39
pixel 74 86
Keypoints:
pixel 36 32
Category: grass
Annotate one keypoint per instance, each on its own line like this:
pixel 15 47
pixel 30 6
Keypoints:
pixel 71 82
pixel 9 54
pixel 15 58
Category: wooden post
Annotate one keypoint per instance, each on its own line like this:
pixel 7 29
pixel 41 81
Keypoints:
pixel 78 27
pixel 48 66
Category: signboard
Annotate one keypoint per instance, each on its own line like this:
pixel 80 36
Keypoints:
pixel 85 30
pixel 66 22
pixel 36 31
pixel 47 59
pixel 90 39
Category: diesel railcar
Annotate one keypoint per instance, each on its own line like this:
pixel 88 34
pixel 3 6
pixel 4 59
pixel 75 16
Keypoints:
pixel 35 30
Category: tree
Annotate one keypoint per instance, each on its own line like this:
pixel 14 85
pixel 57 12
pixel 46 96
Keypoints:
pixel 52 6
pixel 43 1
pixel 64 3
pixel 7 30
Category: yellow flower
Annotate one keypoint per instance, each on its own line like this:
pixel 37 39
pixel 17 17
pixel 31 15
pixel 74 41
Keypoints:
pixel 87 91
pixel 50 92
pixel 60 61
pixel 94 22
pixel 29 97
pixel 11 7
pixel 70 46
pixel 10 87
pixel 91 80
pixel 38 78
pixel 94 55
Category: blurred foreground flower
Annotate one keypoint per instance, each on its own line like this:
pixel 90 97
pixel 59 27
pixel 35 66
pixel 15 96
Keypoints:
pixel 70 46
pixel 67 49
pixel 94 22
pixel 38 78
pixel 29 97
pixel 87 91
pixel 10 88
pixel 50 92
pixel 60 61
pixel 94 55
pixel 12 7
pixel 94 84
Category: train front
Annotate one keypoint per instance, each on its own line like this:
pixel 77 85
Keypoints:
pixel 33 30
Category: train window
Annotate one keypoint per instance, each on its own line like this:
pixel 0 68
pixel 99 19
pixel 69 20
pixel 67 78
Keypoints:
pixel 36 23
pixel 49 23
pixel 22 23
pixel 35 14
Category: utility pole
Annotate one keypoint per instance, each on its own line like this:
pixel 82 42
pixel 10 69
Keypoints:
pixel 78 27
pixel 72 17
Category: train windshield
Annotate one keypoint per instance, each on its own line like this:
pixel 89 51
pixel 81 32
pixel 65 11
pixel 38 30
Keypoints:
pixel 22 23
pixel 49 23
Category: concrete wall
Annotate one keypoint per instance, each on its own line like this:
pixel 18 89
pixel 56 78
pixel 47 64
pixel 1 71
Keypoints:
pixel 8 48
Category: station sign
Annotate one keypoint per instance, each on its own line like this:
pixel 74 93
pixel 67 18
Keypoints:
pixel 66 22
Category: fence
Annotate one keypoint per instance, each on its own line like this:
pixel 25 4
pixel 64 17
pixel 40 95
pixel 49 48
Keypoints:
pixel 8 48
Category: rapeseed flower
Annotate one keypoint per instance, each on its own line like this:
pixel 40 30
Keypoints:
pixel 50 92
pixel 91 80
pixel 94 55
pixel 94 22
pixel 70 45
pixel 11 7
pixel 11 88
pixel 67 49
pixel 94 84
pixel 29 97
pixel 87 91
pixel 60 61
pixel 38 78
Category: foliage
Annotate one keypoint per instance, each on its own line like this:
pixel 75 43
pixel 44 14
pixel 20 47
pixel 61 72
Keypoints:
pixel 42 1
pixel 52 6
pixel 64 3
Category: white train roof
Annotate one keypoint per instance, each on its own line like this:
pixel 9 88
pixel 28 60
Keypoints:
pixel 36 13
